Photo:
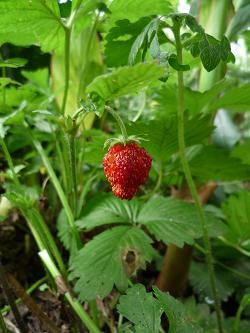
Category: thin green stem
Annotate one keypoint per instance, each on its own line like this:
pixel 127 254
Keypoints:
pixel 67 31
pixel 243 304
pixel 119 121
pixel 59 191
pixel 188 175
pixel 3 327
pixel 9 161
pixel 29 291
pixel 4 91
pixel 76 306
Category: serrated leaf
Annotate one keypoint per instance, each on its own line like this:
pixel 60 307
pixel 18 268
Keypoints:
pixel 64 230
pixel 141 308
pixel 101 263
pixel 210 57
pixel 237 99
pixel 120 39
pixel 179 320
pixel 200 281
pixel 173 221
pixel 135 9
pixel 145 36
pixel 237 211
pixel 125 81
pixel 225 168
pixel 21 196
pixel 162 135
pixel 193 24
pixel 13 62
pixel 106 209
pixel 168 219
pixel 25 22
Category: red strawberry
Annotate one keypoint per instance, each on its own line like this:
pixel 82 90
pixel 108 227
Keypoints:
pixel 126 167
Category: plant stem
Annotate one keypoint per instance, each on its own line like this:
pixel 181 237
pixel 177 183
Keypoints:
pixel 59 191
pixel 243 304
pixel 29 291
pixel 119 121
pixel 67 31
pixel 9 161
pixel 4 91
pixel 76 306
pixel 188 175
pixel 3 327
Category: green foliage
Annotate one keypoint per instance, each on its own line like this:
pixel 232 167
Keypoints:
pixel 179 319
pixel 13 62
pixel 199 279
pixel 237 210
pixel 128 9
pixel 168 219
pixel 225 168
pixel 23 197
pixel 242 152
pixel 37 22
pixel 109 259
pixel 162 135
pixel 142 309
pixel 236 99
pixel 124 81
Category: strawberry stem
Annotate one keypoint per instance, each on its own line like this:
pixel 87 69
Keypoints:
pixel 120 123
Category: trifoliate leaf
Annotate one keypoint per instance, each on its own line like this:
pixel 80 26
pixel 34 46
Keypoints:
pixel 142 309
pixel 109 259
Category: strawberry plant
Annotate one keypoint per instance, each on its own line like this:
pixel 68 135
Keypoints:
pixel 124 134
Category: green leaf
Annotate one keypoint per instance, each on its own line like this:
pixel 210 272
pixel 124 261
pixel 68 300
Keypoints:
pixel 40 77
pixel 225 168
pixel 237 211
pixel 21 196
pixel 125 81
pixel 142 309
pixel 237 99
pixel 107 209
pixel 120 39
pixel 179 319
pixel 173 62
pixel 109 259
pixel 200 281
pixel 195 101
pixel 240 20
pixel 26 22
pixel 135 9
pixel 162 135
pixel 168 219
pixel 13 62
pixel 242 152
pixel 210 57
pixel 144 37
pixel 64 230
pixel 173 221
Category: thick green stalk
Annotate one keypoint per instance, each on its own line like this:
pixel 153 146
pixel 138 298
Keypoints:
pixel 76 306
pixel 188 175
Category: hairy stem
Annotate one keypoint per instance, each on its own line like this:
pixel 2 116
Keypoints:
pixel 188 175
pixel 9 161
pixel 66 68
pixel 119 121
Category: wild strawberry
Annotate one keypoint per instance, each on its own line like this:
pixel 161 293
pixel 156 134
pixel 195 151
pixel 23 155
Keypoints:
pixel 126 167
